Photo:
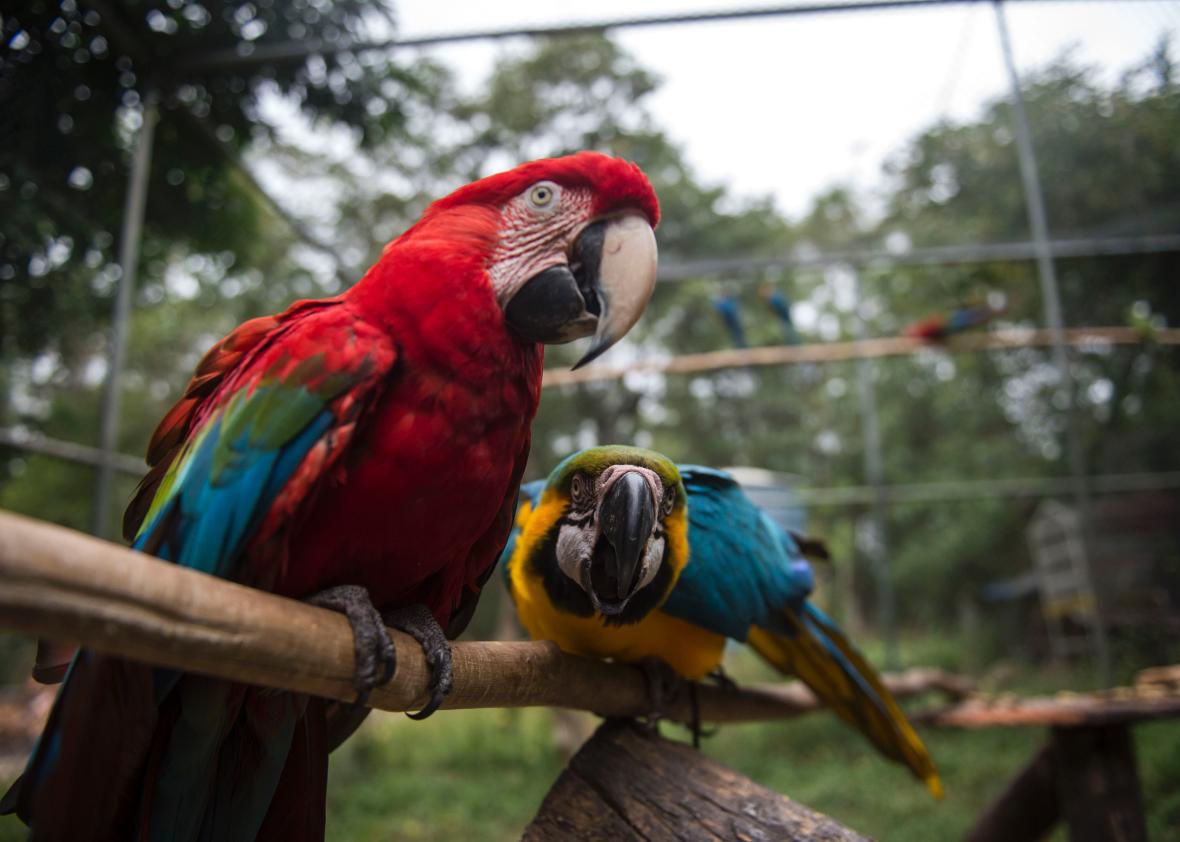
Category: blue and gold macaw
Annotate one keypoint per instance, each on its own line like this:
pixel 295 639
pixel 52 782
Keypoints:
pixel 622 554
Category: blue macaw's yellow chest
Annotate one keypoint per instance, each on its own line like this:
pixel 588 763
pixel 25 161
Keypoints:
pixel 690 650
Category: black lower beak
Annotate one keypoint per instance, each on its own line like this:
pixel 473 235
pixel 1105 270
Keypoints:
pixel 603 290
pixel 626 519
pixel 561 304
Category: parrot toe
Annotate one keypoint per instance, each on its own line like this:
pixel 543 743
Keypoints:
pixel 694 726
pixel 721 679
pixel 419 623
pixel 664 684
pixel 376 659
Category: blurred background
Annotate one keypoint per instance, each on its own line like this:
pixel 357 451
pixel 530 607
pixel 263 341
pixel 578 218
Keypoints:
pixel 1000 494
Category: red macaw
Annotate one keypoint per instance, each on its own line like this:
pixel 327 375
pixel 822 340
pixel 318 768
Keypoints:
pixel 364 452
pixel 941 326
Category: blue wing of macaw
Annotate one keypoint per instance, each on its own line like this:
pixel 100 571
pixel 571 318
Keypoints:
pixel 743 568
pixel 203 513
pixel 747 579
pixel 530 495
pixel 962 318
pixel 232 472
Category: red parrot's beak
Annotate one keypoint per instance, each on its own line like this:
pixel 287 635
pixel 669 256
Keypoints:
pixel 603 290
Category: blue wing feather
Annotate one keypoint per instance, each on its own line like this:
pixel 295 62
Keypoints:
pixel 823 629
pixel 225 485
pixel 530 493
pixel 743 568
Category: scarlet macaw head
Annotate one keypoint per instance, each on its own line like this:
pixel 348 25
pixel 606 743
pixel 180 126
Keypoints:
pixel 567 242
pixel 609 536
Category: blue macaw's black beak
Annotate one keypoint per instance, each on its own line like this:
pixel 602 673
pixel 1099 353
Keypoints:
pixel 603 289
pixel 626 519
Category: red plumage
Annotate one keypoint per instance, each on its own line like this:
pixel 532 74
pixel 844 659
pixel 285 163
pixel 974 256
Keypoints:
pixel 928 329
pixel 413 497
pixel 941 326
pixel 403 410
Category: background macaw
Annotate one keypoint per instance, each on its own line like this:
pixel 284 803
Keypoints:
pixel 940 326
pixel 363 451
pixel 726 305
pixel 780 305
pixel 622 554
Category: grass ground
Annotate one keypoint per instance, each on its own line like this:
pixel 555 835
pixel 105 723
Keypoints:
pixel 480 775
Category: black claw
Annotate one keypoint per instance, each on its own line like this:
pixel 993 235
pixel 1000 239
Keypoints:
pixel 698 730
pixel 663 685
pixel 695 725
pixel 722 680
pixel 419 623
pixel 376 658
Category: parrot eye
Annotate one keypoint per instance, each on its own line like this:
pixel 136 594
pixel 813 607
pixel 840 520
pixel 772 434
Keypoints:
pixel 580 490
pixel 543 195
pixel 669 501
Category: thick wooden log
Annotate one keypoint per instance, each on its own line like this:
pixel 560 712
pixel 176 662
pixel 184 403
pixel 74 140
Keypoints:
pixel 1026 810
pixel 63 585
pixel 1097 784
pixel 628 784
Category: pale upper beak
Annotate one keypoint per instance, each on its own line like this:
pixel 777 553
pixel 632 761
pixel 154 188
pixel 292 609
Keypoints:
pixel 603 291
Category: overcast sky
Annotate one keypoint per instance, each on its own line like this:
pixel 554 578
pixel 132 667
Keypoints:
pixel 789 106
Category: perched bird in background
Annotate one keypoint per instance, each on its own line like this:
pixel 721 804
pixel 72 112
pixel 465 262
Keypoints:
pixel 622 554
pixel 361 452
pixel 941 326
pixel 726 305
pixel 780 305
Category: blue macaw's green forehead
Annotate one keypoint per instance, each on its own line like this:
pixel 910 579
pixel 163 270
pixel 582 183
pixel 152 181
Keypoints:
pixel 594 460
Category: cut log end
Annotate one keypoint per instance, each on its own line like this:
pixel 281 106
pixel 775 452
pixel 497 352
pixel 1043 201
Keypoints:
pixel 628 784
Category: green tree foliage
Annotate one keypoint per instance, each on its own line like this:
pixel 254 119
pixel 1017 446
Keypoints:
pixel 1109 166
pixel 72 82
pixel 944 416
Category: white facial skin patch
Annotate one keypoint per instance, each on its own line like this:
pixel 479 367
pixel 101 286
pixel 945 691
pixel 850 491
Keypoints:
pixel 653 555
pixel 576 541
pixel 575 544
pixel 533 240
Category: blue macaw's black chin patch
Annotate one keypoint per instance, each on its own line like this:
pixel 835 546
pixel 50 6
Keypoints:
pixel 605 579
pixel 570 596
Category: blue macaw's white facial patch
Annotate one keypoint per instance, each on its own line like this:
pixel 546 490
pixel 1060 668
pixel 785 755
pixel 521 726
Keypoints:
pixel 579 533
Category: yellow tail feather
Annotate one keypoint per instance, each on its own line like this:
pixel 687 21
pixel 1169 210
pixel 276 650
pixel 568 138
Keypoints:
pixel 805 656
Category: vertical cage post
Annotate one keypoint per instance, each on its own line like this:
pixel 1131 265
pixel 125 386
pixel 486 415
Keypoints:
pixel 129 247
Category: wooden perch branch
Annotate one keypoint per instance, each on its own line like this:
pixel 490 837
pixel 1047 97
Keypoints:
pixel 888 346
pixel 64 585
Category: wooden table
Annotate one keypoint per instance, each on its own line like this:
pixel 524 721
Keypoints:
pixel 1084 774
